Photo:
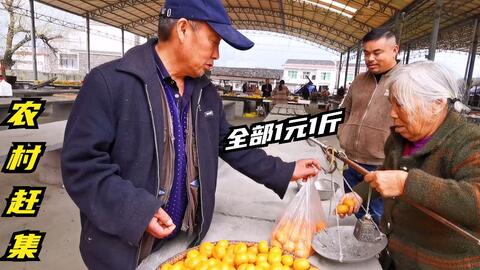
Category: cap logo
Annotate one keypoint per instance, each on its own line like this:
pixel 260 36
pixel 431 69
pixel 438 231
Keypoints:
pixel 167 12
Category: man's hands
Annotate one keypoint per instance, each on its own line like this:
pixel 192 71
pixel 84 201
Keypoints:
pixel 161 225
pixel 305 168
pixel 387 183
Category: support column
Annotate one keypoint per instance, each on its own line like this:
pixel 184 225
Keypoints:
pixel 123 42
pixel 88 42
pixel 471 62
pixel 470 50
pixel 359 56
pixel 337 81
pixel 436 27
pixel 399 17
pixel 33 34
pixel 407 59
pixel 346 69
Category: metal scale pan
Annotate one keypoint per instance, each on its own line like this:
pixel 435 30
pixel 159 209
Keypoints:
pixel 325 243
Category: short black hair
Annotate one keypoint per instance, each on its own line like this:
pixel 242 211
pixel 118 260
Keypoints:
pixel 165 27
pixel 378 33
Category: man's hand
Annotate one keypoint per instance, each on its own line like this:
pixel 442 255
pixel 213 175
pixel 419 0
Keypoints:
pixel 305 168
pixel 387 183
pixel 161 225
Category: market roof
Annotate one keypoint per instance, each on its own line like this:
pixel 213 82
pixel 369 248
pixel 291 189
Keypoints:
pixel 335 24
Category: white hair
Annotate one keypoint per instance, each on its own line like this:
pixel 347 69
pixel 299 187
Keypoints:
pixel 419 84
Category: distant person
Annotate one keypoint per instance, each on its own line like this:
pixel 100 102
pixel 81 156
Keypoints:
pixel 280 94
pixel 341 91
pixel 367 107
pixel 325 93
pixel 245 88
pixel 267 89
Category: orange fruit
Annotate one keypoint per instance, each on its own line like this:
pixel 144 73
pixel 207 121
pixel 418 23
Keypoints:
pixel 276 266
pixel 320 227
pixel 265 265
pixel 166 266
pixel 222 243
pixel 240 248
pixel 229 259
pixel 262 257
pixel 276 250
pixel 342 209
pixel 287 260
pixel 349 202
pixel 224 266
pixel 219 252
pixel 177 266
pixel 281 236
pixel 301 264
pixel 242 266
pixel 289 246
pixel 251 257
pixel 263 247
pixel 241 258
pixel 274 258
pixel 253 249
pixel 193 253
pixel 192 263
pixel 206 248
pixel 275 243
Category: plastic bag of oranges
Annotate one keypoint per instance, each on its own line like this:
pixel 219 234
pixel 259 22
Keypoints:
pixel 302 218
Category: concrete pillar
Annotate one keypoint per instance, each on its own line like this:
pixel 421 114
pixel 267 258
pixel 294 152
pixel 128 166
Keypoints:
pixel 33 33
pixel 436 27
pixel 346 69
pixel 88 42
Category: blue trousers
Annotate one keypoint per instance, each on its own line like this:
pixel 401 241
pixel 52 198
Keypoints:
pixel 354 178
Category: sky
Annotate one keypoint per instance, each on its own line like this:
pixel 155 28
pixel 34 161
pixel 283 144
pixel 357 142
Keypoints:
pixel 271 50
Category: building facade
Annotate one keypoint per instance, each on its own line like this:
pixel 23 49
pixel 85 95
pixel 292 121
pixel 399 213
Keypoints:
pixel 323 73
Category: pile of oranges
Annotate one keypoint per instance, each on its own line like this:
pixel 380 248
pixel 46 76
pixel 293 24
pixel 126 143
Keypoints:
pixel 295 237
pixel 238 256
pixel 344 207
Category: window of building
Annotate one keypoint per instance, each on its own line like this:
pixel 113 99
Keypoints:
pixel 349 77
pixel 292 74
pixel 325 76
pixel 68 61
pixel 314 77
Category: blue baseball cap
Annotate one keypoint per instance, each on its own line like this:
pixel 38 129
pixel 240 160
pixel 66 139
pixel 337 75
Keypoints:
pixel 212 12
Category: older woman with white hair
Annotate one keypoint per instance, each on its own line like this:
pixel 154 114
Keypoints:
pixel 432 159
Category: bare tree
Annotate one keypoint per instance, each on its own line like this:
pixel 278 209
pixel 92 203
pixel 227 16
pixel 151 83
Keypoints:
pixel 16 27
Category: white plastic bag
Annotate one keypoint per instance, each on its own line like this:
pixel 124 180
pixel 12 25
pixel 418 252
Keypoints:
pixel 302 218
pixel 5 89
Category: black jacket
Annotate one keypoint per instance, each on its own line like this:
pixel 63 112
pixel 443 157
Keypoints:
pixel 110 164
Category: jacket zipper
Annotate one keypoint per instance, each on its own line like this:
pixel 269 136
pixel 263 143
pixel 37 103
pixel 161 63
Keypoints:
pixel 365 114
pixel 156 157
pixel 199 166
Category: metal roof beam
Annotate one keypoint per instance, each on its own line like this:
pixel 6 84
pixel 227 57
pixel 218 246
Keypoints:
pixel 244 10
pixel 302 33
pixel 380 6
pixel 348 21
pixel 116 6
pixel 294 18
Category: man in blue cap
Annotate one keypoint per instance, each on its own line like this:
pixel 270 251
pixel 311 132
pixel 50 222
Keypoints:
pixel 142 142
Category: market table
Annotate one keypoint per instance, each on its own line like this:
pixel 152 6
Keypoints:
pixel 247 211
